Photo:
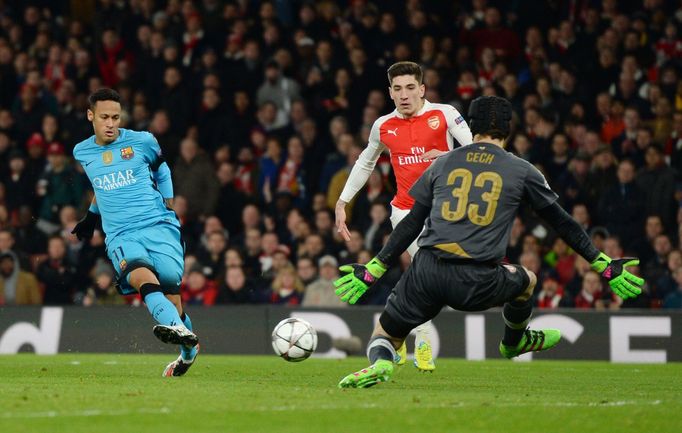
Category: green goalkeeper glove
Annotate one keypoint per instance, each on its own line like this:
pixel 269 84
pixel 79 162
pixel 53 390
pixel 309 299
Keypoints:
pixel 622 282
pixel 357 279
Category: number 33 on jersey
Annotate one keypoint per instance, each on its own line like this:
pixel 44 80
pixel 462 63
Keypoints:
pixel 478 188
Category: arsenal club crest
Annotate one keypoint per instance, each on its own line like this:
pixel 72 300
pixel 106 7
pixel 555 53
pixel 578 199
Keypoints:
pixel 107 157
pixel 434 122
pixel 127 152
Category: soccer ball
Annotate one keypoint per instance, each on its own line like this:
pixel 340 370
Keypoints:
pixel 294 339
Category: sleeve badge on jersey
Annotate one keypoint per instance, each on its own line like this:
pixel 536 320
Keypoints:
pixel 434 122
pixel 459 120
pixel 127 152
pixel 107 157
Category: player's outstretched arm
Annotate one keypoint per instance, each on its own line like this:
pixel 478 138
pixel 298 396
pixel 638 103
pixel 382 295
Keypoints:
pixel 357 278
pixel 622 282
pixel 357 178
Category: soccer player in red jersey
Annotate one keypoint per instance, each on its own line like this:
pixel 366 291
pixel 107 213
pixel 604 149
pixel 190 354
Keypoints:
pixel 415 133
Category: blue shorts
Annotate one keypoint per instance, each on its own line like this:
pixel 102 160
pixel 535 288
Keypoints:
pixel 158 248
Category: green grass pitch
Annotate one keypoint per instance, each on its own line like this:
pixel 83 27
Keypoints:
pixel 126 393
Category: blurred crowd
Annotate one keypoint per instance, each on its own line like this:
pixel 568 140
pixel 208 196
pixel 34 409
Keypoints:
pixel 261 108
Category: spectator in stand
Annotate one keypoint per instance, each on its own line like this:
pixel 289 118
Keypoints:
pixel 673 144
pixel 590 292
pixel 656 267
pixel 320 293
pixel 375 190
pixel 495 35
pixel 337 159
pixel 214 128
pixel 674 299
pixel 17 287
pixel 56 274
pixel 292 177
pixel 29 239
pixel 280 260
pixel 551 296
pixel 378 228
pixel 324 225
pixel 666 284
pixel 612 246
pixel 581 215
pixel 253 250
pixel 169 142
pixel 210 257
pixel 314 247
pixel 28 112
pixel 229 198
pixel 306 269
pixel 7 245
pixel 624 144
pixel 269 167
pixel 287 288
pixel 350 254
pixel 603 175
pixel 339 180
pixel 197 289
pixel 174 100
pixel 278 89
pixel 36 160
pixel 561 260
pixel 557 165
pixel 236 288
pixel 103 290
pixel 194 178
pixel 20 186
pixel 573 184
pixel 621 207
pixel 212 224
pixel 658 180
pixel 111 52
pixel 59 186
pixel 653 227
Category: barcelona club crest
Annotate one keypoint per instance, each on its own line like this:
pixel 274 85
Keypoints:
pixel 434 122
pixel 107 157
pixel 127 152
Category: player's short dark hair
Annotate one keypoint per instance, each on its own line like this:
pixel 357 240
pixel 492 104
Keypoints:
pixel 491 116
pixel 405 68
pixel 103 94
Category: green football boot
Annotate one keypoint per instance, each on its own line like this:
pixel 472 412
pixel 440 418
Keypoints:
pixel 532 341
pixel 380 371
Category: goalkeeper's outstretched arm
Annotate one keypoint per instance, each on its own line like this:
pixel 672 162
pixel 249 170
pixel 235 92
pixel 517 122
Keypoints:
pixel 621 281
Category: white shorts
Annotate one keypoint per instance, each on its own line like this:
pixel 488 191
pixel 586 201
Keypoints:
pixel 397 215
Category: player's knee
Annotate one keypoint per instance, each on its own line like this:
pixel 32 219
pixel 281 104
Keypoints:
pixel 385 327
pixel 141 275
pixel 532 281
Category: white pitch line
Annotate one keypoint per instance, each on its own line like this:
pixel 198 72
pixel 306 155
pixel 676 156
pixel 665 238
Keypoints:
pixel 165 410
pixel 82 413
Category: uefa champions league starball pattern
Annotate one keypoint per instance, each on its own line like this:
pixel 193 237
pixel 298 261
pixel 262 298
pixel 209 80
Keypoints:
pixel 294 339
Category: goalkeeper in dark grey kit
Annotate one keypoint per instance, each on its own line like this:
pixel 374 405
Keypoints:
pixel 465 202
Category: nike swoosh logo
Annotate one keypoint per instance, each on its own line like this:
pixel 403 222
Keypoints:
pixel 88 163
